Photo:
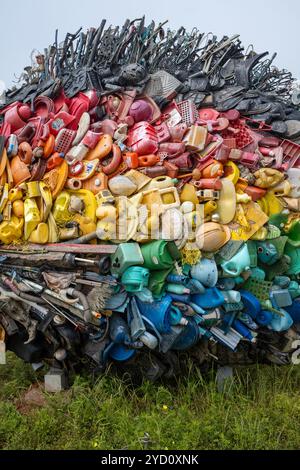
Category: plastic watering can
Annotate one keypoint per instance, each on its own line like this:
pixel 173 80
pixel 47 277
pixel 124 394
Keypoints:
pixel 239 263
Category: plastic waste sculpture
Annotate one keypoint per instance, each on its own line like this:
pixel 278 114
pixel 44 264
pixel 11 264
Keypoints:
pixel 150 203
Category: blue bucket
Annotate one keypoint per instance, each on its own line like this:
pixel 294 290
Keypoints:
pixel 159 313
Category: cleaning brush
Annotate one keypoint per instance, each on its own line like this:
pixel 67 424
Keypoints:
pixel 99 295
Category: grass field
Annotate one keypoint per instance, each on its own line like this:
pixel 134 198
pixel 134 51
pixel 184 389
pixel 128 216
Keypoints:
pixel 260 409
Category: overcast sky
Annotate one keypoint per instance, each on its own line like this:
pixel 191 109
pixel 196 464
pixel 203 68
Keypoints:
pixel 270 25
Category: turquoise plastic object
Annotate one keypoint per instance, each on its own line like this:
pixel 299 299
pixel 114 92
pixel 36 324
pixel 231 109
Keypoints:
pixel 252 253
pixel 281 323
pixel 175 316
pixel 258 273
pixel 267 253
pixel 212 298
pixel 127 254
pixel 238 264
pixel 206 272
pixel 135 278
pixel 294 254
pixel 294 289
pixel 145 295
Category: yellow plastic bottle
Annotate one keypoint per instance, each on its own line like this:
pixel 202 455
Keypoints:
pixel 40 235
pixel 32 217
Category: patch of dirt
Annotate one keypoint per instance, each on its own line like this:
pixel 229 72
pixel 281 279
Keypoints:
pixel 31 399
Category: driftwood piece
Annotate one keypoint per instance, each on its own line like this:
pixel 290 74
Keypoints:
pixel 38 250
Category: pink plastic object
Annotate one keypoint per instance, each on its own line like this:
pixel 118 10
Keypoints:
pixel 205 183
pixel 182 161
pixel 64 140
pixel 163 133
pixel 17 115
pixel 172 148
pixel 267 152
pixel 188 111
pixel 78 105
pixel 232 115
pixel 61 103
pixel 117 106
pixel 91 139
pixel 269 141
pixel 140 110
pixel 26 134
pixel 5 130
pixel 208 114
pixel 177 132
pixel 291 155
pixel 108 126
pixel 93 98
pixel 43 106
pixel 223 153
pixel 142 139
pixel 250 160
pixel 231 143
pixel 60 121
pixel 243 137
pixel 39 124
pixel 156 113
pixel 171 115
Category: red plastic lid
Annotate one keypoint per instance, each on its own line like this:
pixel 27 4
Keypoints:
pixel 208 114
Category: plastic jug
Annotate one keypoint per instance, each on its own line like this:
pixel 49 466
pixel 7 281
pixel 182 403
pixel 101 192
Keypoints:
pixel 211 299
pixel 238 264
pixel 206 272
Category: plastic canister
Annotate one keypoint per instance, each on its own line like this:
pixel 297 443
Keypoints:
pixel 159 254
pixel 127 254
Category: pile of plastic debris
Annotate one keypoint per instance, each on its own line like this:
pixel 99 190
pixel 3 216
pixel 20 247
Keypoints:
pixel 150 203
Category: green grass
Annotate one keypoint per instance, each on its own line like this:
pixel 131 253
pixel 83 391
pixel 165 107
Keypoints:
pixel 260 409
